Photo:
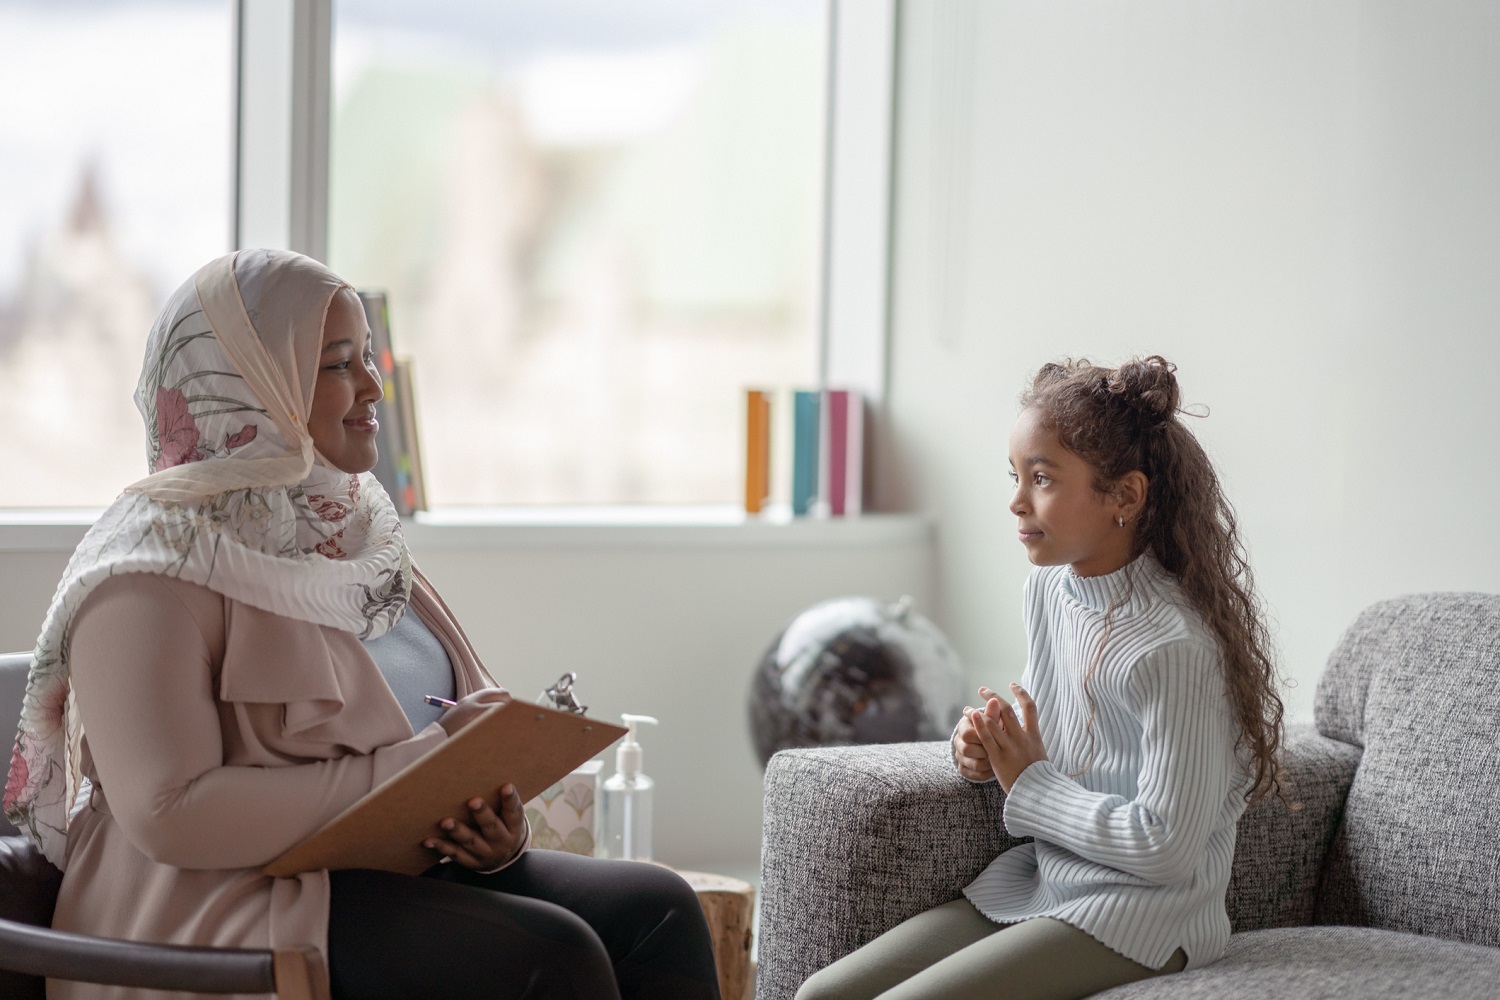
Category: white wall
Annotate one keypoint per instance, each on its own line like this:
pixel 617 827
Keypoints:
pixel 1298 202
pixel 672 631
pixel 669 622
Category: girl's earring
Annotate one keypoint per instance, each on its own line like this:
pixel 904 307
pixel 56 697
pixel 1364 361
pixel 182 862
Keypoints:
pixel 1120 520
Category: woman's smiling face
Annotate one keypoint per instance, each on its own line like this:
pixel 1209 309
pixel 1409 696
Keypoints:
pixel 342 423
pixel 1061 517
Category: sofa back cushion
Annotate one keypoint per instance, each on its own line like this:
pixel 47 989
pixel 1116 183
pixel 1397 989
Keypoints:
pixel 1416 682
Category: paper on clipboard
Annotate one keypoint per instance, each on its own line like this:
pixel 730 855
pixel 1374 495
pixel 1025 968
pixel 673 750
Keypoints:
pixel 519 742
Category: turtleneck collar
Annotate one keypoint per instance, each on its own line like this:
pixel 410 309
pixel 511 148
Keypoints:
pixel 1138 578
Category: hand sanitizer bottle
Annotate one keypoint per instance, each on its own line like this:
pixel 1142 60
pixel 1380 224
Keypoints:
pixel 626 807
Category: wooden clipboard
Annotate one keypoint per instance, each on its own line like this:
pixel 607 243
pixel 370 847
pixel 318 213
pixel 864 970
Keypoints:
pixel 525 744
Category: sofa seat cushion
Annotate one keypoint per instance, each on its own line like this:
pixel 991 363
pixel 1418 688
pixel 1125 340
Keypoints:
pixel 1331 963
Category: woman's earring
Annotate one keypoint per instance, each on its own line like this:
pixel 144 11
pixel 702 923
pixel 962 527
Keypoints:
pixel 1120 520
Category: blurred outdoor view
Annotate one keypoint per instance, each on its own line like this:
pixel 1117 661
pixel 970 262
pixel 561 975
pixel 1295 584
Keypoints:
pixel 115 141
pixel 597 222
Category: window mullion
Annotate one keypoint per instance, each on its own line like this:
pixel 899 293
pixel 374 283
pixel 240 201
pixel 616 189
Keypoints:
pixel 284 48
pixel 856 255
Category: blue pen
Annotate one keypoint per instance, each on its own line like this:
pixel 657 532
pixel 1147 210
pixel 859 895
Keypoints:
pixel 433 699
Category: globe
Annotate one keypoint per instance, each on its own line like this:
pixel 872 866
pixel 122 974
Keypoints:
pixel 855 670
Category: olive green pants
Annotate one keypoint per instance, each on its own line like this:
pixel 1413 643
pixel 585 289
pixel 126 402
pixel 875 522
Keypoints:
pixel 954 950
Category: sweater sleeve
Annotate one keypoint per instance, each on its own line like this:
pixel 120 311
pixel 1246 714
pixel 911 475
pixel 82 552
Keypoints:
pixel 1188 767
pixel 143 675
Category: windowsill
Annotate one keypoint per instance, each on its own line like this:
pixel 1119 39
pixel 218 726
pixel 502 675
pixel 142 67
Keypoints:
pixel 645 526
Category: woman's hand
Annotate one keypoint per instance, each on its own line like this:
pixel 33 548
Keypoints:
pixel 1010 745
pixel 470 706
pixel 486 840
pixel 968 752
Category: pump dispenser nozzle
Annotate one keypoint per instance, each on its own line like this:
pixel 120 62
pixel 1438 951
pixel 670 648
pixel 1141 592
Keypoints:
pixel 628 756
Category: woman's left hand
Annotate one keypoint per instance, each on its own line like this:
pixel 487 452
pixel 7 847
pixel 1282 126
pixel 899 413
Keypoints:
pixel 1012 744
pixel 487 839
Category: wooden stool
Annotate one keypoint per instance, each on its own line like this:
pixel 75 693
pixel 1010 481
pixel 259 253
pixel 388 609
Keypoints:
pixel 729 905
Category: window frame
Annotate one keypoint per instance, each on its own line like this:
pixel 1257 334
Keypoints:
pixel 284 55
pixel 283 52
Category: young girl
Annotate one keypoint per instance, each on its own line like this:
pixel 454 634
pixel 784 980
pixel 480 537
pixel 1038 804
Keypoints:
pixel 1145 721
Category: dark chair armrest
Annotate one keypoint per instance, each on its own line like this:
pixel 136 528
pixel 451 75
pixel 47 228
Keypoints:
pixel 39 951
pixel 1279 854
pixel 857 839
pixel 31 951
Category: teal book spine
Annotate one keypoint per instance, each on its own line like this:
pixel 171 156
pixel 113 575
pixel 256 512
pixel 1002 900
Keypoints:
pixel 805 434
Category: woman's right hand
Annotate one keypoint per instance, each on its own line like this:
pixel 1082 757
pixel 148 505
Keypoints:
pixel 470 706
pixel 968 752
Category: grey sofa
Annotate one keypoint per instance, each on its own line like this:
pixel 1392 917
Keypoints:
pixel 1385 883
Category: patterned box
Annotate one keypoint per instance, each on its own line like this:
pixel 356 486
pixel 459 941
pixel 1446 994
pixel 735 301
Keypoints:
pixel 562 817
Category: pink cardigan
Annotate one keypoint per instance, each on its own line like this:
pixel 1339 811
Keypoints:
pixel 216 736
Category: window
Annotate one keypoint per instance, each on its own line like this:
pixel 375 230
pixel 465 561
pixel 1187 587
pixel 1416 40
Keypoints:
pixel 118 128
pixel 597 223
pixel 115 143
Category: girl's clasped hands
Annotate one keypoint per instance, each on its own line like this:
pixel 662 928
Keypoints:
pixel 998 741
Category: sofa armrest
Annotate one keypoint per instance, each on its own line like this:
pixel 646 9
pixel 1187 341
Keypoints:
pixel 1279 853
pixel 857 839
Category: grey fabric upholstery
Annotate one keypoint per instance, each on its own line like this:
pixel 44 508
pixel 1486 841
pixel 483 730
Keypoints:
pixel 1416 682
pixel 1280 847
pixel 1337 963
pixel 856 839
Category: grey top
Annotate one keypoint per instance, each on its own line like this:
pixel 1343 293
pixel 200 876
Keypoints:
pixel 1136 848
pixel 414 664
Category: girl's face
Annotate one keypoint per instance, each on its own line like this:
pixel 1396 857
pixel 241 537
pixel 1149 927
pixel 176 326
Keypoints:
pixel 342 423
pixel 1060 516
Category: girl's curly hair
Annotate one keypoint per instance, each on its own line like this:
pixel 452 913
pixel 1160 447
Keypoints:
pixel 1124 419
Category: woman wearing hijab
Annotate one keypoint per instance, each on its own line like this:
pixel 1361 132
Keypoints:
pixel 237 651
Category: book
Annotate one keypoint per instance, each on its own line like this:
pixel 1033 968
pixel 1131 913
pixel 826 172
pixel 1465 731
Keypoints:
pixel 806 432
pixel 409 463
pixel 854 469
pixel 845 450
pixel 757 450
pixel 519 742
pixel 388 441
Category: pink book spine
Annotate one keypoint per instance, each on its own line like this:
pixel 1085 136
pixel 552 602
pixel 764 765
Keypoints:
pixel 854 456
pixel 838 451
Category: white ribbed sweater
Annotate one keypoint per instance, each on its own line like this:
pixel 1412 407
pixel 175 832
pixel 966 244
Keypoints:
pixel 1136 850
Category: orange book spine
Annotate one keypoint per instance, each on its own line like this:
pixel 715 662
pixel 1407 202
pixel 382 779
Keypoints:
pixel 757 450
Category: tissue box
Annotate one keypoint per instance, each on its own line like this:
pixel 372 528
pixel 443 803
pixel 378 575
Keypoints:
pixel 562 817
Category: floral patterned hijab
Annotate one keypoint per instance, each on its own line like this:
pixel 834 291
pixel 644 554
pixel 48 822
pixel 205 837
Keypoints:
pixel 237 501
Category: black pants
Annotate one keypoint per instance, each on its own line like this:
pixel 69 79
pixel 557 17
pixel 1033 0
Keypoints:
pixel 550 925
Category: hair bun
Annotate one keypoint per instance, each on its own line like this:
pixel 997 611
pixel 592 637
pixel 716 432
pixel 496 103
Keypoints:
pixel 1148 385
